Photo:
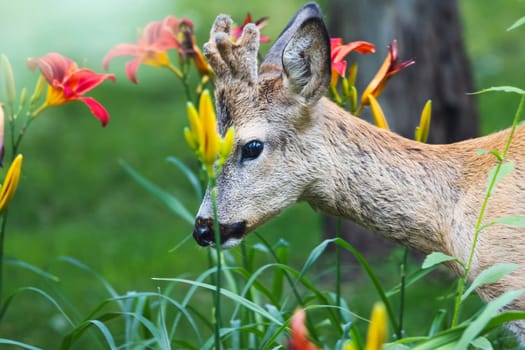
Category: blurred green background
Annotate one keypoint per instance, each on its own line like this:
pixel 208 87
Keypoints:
pixel 75 199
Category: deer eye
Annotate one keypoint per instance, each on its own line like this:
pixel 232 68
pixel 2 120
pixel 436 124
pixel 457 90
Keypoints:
pixel 252 150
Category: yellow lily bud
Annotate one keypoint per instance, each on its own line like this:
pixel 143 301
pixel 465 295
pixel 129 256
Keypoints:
pixel 424 123
pixel 41 84
pixel 195 128
pixel 8 189
pixel 352 96
pixel 346 87
pixel 352 73
pixel 227 143
pixel 377 331
pixel 190 140
pixel 8 82
pixel 377 113
pixel 209 125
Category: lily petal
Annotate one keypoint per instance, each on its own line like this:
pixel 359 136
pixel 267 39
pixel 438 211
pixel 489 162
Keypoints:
pixel 84 80
pixel 120 50
pixel 96 109
pixel 54 67
pixel 131 69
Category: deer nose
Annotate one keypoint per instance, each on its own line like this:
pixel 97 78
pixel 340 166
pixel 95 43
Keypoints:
pixel 203 231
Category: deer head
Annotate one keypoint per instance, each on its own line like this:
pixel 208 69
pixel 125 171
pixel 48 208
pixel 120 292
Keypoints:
pixel 272 111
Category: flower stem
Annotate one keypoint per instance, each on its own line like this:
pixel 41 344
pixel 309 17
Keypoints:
pixel 479 222
pixel 184 78
pixel 2 235
pixel 216 228
pixel 338 233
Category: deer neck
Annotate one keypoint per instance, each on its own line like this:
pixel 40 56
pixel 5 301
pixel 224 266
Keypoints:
pixel 401 189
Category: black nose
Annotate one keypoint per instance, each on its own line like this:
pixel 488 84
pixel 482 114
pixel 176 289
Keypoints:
pixel 204 233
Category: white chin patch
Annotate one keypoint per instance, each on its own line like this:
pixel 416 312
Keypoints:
pixel 231 242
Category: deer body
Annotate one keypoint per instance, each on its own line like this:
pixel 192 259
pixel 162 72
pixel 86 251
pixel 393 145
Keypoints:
pixel 292 144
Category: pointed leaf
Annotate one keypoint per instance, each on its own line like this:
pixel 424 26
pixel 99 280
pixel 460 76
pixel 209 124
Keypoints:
pixel 504 170
pixel 517 24
pixel 490 275
pixel 19 344
pixel 511 220
pixel 511 89
pixel 31 268
pixel 190 175
pixel 436 258
pixel 171 202
pixel 491 309
pixel 481 343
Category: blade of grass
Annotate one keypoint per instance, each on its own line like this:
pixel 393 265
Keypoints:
pixel 190 175
pixel 32 268
pixel 228 294
pixel 171 202
pixel 19 344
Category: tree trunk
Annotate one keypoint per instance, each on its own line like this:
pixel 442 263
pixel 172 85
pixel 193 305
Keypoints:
pixel 430 32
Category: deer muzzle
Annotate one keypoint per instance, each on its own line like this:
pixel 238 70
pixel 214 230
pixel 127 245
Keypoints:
pixel 204 233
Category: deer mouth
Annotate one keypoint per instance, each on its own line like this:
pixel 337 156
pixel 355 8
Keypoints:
pixel 230 234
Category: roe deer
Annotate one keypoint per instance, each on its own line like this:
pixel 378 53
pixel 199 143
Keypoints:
pixel 293 144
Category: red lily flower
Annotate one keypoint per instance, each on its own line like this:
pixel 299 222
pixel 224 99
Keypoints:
pixel 260 23
pixel 340 51
pixel 390 67
pixel 299 335
pixel 66 82
pixel 151 48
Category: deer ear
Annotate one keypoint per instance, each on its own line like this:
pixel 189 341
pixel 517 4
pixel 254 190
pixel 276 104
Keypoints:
pixel 306 60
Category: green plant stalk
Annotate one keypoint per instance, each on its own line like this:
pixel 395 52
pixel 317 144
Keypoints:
pixel 216 228
pixel 402 289
pixel 338 233
pixel 293 285
pixel 2 235
pixel 463 281
pixel 15 145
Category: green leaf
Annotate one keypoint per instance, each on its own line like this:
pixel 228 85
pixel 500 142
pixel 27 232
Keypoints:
pixel 190 175
pixel 504 170
pixel 230 295
pixel 439 323
pixel 511 89
pixel 171 202
pixel 19 344
pixel 436 258
pixel 517 24
pixel 511 220
pixel 495 153
pixel 490 275
pixel 482 343
pixel 490 310
pixel 32 268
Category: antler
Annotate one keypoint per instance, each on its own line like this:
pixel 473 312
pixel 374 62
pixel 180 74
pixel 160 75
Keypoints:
pixel 232 61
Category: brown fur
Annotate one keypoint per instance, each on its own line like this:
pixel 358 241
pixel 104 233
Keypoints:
pixel 427 197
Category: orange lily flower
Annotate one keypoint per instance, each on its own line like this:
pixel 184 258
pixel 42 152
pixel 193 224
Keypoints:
pixel 151 48
pixel 67 82
pixel 299 335
pixel 338 52
pixel 390 67
pixel 260 23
